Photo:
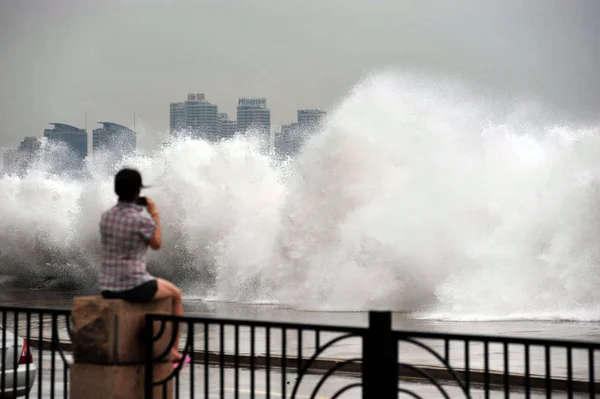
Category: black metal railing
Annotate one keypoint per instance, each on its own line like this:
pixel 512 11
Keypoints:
pixel 235 358
pixel 256 359
pixel 34 361
pixel 229 357
pixel 481 364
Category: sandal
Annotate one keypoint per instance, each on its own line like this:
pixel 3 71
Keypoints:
pixel 182 361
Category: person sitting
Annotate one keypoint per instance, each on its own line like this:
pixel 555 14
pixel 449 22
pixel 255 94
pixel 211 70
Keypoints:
pixel 126 234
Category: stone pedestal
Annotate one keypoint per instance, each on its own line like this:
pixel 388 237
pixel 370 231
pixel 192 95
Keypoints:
pixel 109 348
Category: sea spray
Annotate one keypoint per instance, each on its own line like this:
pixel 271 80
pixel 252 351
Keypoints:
pixel 417 195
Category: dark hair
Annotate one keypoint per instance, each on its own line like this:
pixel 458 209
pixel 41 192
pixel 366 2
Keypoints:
pixel 128 183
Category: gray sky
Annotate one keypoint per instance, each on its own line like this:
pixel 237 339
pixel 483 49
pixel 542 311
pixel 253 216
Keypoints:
pixel 111 57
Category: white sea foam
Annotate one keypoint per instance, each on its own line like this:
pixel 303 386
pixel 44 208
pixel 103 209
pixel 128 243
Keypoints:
pixel 418 195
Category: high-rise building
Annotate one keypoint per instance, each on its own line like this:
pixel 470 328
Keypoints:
pixel 286 142
pixel 196 116
pixel 294 135
pixel 114 138
pixel 177 117
pixel 311 118
pixel 30 144
pixel 17 161
pixel 76 139
pixel 226 128
pixel 252 113
pixel 10 160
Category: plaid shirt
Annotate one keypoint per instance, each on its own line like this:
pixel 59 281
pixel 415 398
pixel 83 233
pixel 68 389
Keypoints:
pixel 125 233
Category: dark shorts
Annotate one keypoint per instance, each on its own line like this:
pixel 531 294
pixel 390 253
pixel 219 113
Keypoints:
pixel 142 293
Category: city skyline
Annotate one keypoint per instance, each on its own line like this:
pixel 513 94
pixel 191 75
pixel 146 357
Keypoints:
pixel 135 117
pixel 195 115
pixel 62 58
pixel 220 114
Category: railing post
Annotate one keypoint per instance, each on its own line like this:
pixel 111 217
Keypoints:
pixel 380 358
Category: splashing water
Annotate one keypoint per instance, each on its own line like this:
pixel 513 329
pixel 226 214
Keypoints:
pixel 418 195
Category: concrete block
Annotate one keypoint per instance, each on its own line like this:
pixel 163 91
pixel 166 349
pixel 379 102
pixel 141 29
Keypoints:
pixel 93 381
pixel 110 331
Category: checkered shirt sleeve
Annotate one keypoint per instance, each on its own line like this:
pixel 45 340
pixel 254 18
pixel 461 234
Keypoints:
pixel 146 227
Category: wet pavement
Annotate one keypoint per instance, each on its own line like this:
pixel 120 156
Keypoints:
pixel 185 388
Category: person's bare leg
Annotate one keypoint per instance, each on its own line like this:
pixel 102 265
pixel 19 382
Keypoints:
pixel 167 289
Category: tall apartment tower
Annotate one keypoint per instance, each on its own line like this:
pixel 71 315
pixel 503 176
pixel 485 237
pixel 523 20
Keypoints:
pixel 114 138
pixel 226 127
pixel 252 113
pixel 76 139
pixel 294 135
pixel 30 144
pixel 311 118
pixel 177 117
pixel 196 116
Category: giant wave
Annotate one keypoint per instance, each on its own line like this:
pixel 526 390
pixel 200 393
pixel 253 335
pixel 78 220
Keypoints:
pixel 418 195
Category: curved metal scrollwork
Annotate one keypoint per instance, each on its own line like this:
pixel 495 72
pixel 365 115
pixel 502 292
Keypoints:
pixel 408 392
pixel 329 372
pixel 179 364
pixel 446 364
pixel 310 361
pixel 177 368
pixel 346 388
pixel 428 377
pixel 159 334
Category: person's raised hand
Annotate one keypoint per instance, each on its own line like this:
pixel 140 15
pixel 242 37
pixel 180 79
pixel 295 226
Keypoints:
pixel 151 207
